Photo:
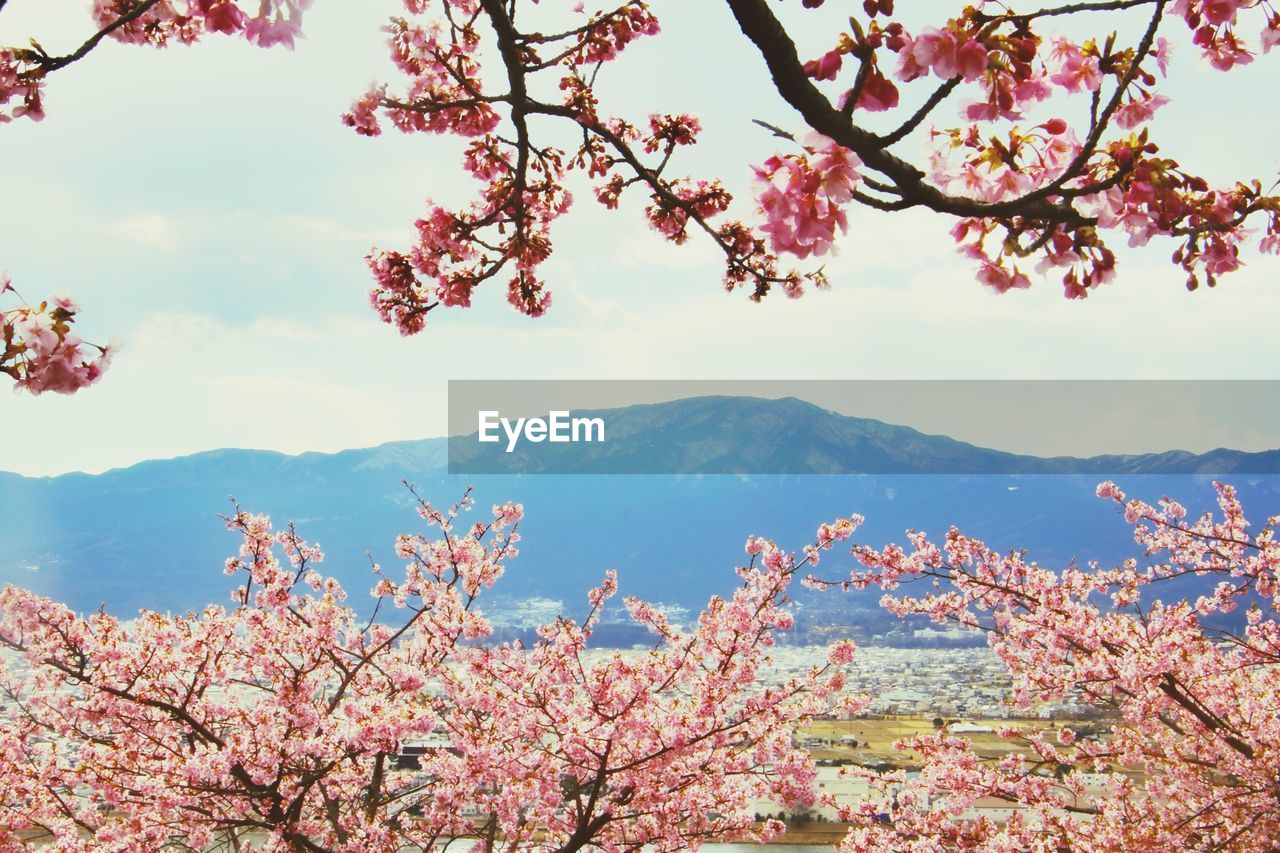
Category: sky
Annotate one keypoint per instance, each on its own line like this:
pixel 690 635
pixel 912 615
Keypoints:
pixel 208 209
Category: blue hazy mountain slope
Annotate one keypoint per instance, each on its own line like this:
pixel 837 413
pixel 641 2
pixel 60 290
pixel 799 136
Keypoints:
pixel 149 536
pixel 742 435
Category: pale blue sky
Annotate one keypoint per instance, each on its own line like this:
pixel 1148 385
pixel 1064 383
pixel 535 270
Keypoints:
pixel 207 207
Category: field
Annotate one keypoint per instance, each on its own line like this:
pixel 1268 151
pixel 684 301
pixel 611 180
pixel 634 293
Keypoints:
pixel 876 736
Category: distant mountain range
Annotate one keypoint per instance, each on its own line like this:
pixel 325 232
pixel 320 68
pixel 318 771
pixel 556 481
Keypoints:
pixel 746 435
pixel 148 535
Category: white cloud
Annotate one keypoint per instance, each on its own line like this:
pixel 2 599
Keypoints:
pixel 152 230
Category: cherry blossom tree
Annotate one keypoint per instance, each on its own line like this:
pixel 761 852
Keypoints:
pixel 40 352
pixel 276 725
pixel 1038 144
pixel 1190 763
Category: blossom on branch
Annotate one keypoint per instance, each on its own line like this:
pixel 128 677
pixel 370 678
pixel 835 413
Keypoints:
pixel 1193 710
pixel 1040 197
pixel 40 352
pixel 283 721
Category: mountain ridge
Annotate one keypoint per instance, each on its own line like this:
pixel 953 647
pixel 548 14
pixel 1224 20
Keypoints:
pixel 822 424
pixel 148 535
pixel 747 435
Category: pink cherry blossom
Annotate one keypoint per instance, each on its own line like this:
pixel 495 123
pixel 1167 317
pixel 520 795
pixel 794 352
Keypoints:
pixel 967 85
pixel 1076 71
pixel 1024 186
pixel 280 721
pixel 1192 709
pixel 1139 110
pixel 826 66
pixel 936 50
pixel 803 194
pixel 878 94
pixel 40 352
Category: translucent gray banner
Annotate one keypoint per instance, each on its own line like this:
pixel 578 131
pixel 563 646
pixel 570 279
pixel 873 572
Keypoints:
pixel 1104 428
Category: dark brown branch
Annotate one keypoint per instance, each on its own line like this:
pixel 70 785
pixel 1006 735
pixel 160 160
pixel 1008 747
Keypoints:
pixel 765 31
pixel 905 129
pixel 46 63
pixel 1069 9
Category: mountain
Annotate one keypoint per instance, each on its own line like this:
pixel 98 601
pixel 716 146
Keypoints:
pixel 746 435
pixel 149 536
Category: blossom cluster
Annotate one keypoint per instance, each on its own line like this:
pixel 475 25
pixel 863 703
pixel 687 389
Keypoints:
pixel 1027 194
pixel 804 197
pixel 265 23
pixel 506 231
pixel 1196 710
pixel 282 721
pixel 40 352
pixel 21 93
pixel 1053 192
